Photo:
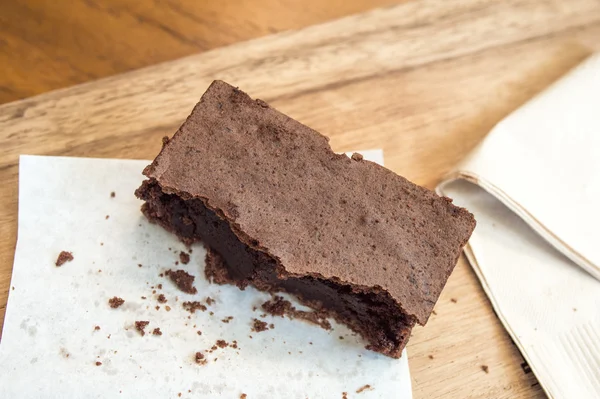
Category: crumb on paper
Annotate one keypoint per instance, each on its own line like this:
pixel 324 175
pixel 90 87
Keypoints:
pixel 221 343
pixel 184 257
pixel 227 319
pixel 106 217
pixel 278 306
pixel 364 388
pixel 183 280
pixel 485 368
pixel 209 301
pixel 341 337
pixel 199 332
pixel 143 297
pixel 98 363
pixel 112 194
pixel 168 308
pixel 140 326
pixel 259 326
pixel 157 307
pixel 431 357
pixel 193 306
pixel 159 286
pixel 156 331
pixel 64 353
pixel 97 328
pixel 344 395
pixel 243 396
pixel 139 265
pixel 63 258
pixel 199 357
pixel 434 312
pixel 161 298
pixel 115 302
pixel 453 300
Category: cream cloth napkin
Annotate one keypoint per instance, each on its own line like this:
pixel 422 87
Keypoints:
pixel 534 187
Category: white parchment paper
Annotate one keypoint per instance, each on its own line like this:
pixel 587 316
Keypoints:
pixel 50 346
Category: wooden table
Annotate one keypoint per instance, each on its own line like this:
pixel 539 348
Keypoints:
pixel 425 80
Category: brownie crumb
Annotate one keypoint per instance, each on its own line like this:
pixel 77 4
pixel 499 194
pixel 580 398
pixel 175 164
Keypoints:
pixel 227 319
pixel 140 326
pixel 193 306
pixel 162 299
pixel 98 363
pixel 168 308
pixel 344 395
pixel 271 326
pixel 184 258
pixel 106 217
pixel 199 332
pixel 157 307
pixel 209 301
pixel 259 325
pixel 63 258
pixel 183 280
pixel 139 265
pixel 434 312
pixel 97 328
pixel 221 343
pixel 156 331
pixel 453 300
pixel 357 157
pixel 159 286
pixel 143 297
pixel 115 302
pixel 243 396
pixel 112 194
pixel 341 337
pixel 214 268
pixel 200 359
pixel 485 368
pixel 363 388
pixel 431 357
pixel 278 306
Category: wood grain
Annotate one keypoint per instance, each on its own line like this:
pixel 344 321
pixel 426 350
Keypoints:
pixel 48 44
pixel 424 80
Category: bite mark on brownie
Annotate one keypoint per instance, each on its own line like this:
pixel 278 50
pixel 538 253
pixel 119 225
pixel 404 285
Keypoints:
pixel 115 302
pixel 140 326
pixel 63 258
pixel 278 306
pixel 183 280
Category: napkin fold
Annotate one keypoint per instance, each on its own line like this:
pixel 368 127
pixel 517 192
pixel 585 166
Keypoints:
pixel 534 187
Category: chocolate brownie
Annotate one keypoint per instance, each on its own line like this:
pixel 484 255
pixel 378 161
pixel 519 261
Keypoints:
pixel 281 211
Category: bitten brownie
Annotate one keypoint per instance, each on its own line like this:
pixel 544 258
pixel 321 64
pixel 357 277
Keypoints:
pixel 281 211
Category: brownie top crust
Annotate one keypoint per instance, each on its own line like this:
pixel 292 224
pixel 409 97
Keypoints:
pixel 318 213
